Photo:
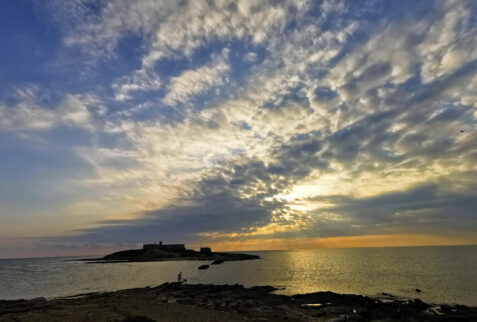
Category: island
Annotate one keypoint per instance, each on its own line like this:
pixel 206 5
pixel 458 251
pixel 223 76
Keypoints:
pixel 167 252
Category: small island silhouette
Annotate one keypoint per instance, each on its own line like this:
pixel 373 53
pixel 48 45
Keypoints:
pixel 167 252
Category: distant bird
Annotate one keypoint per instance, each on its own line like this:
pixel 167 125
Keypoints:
pixel 418 290
pixel 462 131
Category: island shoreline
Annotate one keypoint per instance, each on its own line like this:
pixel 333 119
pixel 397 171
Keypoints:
pixel 172 252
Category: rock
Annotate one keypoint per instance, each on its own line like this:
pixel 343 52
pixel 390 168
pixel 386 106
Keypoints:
pixel 256 304
pixel 256 311
pixel 418 290
pixel 203 266
pixel 137 318
pixel 418 305
pixel 147 255
pixel 210 304
pixel 186 300
pixel 39 299
pixel 228 299
pixel 295 315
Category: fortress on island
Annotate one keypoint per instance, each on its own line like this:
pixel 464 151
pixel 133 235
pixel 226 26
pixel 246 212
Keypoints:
pixel 163 252
pixel 173 247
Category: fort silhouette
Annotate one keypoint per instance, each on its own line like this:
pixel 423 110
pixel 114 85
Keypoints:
pixel 173 247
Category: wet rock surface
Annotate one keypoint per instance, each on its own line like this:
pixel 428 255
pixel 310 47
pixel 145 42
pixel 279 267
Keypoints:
pixel 175 302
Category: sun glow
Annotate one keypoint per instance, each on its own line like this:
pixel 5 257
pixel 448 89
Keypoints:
pixel 390 240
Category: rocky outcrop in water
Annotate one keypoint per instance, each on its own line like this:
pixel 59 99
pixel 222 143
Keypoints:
pixel 148 255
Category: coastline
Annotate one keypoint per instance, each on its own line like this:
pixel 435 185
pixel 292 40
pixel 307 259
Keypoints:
pixel 165 259
pixel 208 302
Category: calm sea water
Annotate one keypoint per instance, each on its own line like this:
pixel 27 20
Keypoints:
pixel 444 274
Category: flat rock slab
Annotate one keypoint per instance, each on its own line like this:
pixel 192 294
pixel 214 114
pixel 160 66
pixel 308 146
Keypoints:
pixel 200 302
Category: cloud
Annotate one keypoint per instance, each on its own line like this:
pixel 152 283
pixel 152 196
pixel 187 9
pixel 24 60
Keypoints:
pixel 194 82
pixel 200 22
pixel 338 119
pixel 174 28
pixel 28 115
pixel 141 80
pixel 250 57
pixel 440 53
pixel 367 130
pixel 432 208
pixel 218 203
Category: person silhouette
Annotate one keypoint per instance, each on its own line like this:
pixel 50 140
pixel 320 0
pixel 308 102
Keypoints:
pixel 179 277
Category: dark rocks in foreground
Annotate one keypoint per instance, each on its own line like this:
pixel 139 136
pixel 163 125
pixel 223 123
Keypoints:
pixel 149 255
pixel 175 302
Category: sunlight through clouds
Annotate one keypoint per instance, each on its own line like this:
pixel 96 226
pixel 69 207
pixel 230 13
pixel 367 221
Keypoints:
pixel 225 121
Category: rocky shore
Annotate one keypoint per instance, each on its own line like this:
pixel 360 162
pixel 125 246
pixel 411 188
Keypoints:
pixel 176 302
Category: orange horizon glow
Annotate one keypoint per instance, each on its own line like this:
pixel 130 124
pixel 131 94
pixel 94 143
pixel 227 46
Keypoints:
pixel 377 241
pixel 364 241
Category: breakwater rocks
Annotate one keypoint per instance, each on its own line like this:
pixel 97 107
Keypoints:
pixel 175 302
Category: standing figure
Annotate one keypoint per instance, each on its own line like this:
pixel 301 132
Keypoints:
pixel 179 277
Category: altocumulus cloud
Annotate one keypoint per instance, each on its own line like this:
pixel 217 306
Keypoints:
pixel 223 120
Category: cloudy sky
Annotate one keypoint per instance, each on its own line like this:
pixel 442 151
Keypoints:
pixel 240 125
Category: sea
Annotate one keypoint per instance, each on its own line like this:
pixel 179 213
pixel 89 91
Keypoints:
pixel 443 274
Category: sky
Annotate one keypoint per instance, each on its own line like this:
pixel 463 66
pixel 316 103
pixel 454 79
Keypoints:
pixel 239 125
